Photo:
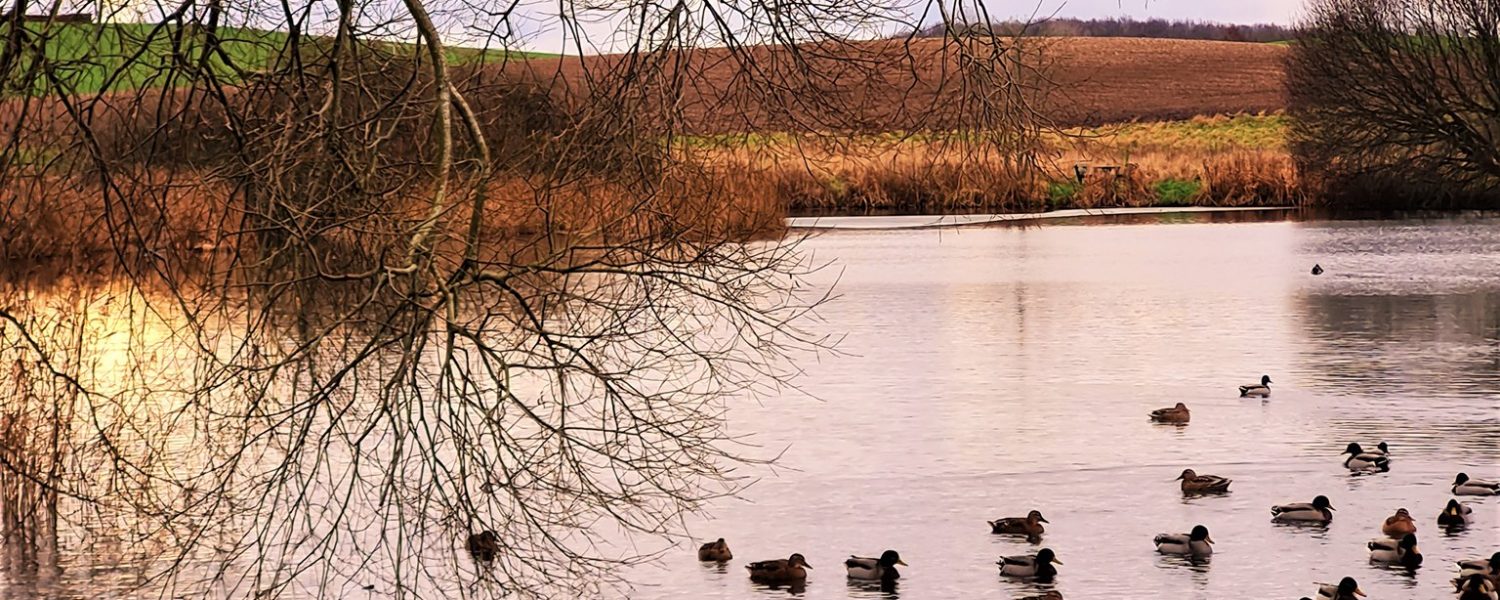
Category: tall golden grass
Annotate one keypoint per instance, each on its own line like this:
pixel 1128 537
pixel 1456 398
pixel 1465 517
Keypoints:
pixel 1140 165
pixel 738 189
pixel 55 217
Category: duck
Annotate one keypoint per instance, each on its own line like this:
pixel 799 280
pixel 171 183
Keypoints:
pixel 1039 566
pixel 1362 461
pixel 787 570
pixel 1262 389
pixel 1455 514
pixel 484 545
pixel 1317 511
pixel 1488 567
pixel 1403 552
pixel 1030 526
pixel 1197 543
pixel 1175 414
pixel 1463 486
pixel 1399 524
pixel 715 551
pixel 882 569
pixel 1347 589
pixel 1050 595
pixel 1475 587
pixel 1193 483
pixel 1317 269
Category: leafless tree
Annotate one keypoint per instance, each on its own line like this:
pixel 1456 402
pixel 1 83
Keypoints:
pixel 1399 100
pixel 298 299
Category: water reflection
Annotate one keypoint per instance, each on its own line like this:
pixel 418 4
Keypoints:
pixel 993 371
pixel 873 589
pixel 794 589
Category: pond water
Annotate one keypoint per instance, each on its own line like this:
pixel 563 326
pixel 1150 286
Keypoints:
pixel 987 372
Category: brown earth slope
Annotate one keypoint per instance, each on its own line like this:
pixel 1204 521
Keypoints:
pixel 899 85
pixel 1118 79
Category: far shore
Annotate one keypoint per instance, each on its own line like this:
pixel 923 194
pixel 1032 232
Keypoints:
pixel 887 222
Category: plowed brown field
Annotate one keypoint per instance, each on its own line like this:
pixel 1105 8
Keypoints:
pixel 894 85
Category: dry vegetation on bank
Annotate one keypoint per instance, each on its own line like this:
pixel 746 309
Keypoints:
pixel 1205 161
pixel 744 185
pixel 729 177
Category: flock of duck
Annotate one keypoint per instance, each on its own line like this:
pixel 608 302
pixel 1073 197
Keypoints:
pixel 1477 579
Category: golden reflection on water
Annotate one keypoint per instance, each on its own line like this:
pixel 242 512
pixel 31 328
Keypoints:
pixel 988 372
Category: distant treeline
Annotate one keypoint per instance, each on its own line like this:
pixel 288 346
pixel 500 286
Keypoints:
pixel 1126 27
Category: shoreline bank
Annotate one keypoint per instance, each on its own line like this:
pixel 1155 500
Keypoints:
pixel 895 222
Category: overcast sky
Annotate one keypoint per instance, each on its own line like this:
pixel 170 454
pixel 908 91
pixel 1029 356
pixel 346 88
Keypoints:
pixel 1231 11
pixel 541 36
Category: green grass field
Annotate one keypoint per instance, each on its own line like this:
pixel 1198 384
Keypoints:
pixel 92 57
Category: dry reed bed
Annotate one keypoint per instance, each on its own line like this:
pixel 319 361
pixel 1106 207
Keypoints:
pixel 717 194
pixel 923 177
pixel 184 213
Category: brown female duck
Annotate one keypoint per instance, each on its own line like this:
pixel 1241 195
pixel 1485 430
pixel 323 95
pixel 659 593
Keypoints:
pixel 790 570
pixel 1193 483
pixel 1175 414
pixel 715 551
pixel 1030 525
pixel 1399 524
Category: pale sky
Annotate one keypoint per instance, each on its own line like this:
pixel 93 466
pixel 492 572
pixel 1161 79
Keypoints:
pixel 1229 11
pixel 541 34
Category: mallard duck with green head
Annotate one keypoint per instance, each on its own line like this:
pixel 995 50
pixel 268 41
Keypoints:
pixel 1475 587
pixel 1402 552
pixel 1455 514
pixel 1038 565
pixel 1488 567
pixel 1347 589
pixel 1320 510
pixel 1196 543
pixel 1262 389
pixel 1463 486
pixel 875 569
pixel 1365 462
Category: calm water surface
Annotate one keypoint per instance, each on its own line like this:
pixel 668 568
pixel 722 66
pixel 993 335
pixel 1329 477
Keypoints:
pixel 987 372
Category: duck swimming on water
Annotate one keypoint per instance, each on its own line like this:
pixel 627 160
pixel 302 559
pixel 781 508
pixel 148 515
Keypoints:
pixel 1456 514
pixel 1193 483
pixel 1399 524
pixel 1347 589
pixel 882 569
pixel 787 570
pixel 1197 543
pixel 715 551
pixel 1317 511
pixel 1403 552
pixel 1039 566
pixel 1317 269
pixel 1475 587
pixel 1030 526
pixel 1488 567
pixel 1463 486
pixel 1175 414
pixel 1262 389
pixel 1365 462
